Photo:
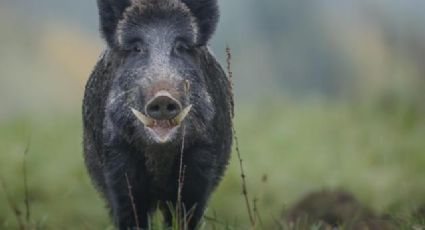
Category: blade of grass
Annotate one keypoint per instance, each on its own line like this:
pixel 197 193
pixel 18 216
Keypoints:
pixel 12 205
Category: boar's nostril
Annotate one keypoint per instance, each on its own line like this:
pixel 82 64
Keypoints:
pixel 171 107
pixel 163 108
pixel 155 108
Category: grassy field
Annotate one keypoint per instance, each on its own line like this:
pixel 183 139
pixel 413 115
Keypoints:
pixel 375 152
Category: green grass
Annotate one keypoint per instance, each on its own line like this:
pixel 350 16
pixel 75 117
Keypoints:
pixel 377 154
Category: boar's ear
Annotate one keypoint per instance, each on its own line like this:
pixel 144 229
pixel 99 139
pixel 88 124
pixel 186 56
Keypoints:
pixel 207 14
pixel 110 12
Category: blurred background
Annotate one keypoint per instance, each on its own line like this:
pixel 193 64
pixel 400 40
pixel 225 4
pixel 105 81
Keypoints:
pixel 329 94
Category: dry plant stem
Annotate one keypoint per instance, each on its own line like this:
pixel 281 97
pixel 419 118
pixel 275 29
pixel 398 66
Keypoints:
pixel 257 214
pixel 257 198
pixel 255 208
pixel 230 77
pixel 243 175
pixel 133 205
pixel 182 170
pixel 26 199
pixel 228 61
pixel 12 205
pixel 215 221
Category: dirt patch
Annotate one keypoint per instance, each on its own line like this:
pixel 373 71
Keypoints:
pixel 333 209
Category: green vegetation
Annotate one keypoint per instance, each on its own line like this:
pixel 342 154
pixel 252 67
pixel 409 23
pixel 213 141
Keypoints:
pixel 289 149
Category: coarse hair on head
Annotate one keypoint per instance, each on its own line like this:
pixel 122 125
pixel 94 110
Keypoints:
pixel 204 12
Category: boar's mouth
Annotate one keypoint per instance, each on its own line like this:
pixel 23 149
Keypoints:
pixel 162 129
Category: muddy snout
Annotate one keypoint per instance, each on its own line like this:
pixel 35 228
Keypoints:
pixel 163 106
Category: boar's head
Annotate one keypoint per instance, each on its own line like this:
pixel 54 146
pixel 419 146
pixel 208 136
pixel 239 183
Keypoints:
pixel 159 82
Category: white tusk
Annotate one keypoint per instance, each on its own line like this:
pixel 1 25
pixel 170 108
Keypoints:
pixel 178 120
pixel 143 118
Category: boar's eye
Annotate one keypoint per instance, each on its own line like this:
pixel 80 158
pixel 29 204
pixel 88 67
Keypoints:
pixel 135 47
pixel 138 48
pixel 183 47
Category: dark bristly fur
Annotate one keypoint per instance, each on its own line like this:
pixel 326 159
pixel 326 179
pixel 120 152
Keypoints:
pixel 151 45
pixel 110 12
pixel 206 11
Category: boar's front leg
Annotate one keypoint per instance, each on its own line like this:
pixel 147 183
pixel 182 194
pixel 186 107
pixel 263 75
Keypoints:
pixel 199 179
pixel 123 175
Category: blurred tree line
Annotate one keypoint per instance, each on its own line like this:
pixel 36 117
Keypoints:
pixel 362 50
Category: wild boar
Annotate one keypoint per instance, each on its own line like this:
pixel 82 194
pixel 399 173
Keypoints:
pixel 157 102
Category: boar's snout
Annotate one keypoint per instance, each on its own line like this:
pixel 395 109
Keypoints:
pixel 163 106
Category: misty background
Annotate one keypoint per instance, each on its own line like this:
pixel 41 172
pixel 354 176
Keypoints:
pixel 332 48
